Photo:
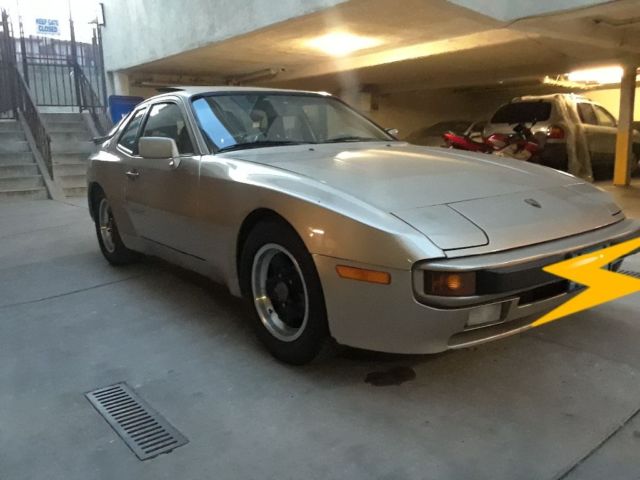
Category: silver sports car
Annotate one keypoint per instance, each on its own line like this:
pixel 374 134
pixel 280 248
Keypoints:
pixel 332 228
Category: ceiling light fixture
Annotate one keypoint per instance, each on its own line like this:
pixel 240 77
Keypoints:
pixel 601 75
pixel 340 44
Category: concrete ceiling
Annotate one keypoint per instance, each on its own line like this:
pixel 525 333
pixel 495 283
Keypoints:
pixel 425 43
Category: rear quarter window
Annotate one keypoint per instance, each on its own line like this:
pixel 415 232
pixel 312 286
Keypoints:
pixel 523 112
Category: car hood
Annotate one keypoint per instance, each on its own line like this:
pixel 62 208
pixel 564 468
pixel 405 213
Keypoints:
pixel 457 199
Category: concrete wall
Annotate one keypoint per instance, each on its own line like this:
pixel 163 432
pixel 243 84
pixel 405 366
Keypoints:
pixel 507 10
pixel 141 31
pixel 610 99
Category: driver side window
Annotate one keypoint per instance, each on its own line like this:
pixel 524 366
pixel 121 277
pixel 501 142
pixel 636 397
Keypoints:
pixel 166 120
pixel 129 137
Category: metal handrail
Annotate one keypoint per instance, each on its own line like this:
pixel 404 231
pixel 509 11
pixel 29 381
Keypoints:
pixel 89 100
pixel 25 104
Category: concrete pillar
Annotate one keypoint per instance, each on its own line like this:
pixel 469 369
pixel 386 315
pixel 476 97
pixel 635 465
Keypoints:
pixel 622 172
pixel 121 83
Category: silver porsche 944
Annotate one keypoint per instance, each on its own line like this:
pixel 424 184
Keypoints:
pixel 332 228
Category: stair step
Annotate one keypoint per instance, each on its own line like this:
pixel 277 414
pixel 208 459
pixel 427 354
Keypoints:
pixel 67 158
pixel 69 137
pixel 68 128
pixel 9 135
pixel 24 194
pixel 19 157
pixel 65 125
pixel 10 126
pixel 72 181
pixel 14 146
pixel 21 183
pixel 62 117
pixel 65 169
pixel 73 147
pixel 18 170
pixel 75 191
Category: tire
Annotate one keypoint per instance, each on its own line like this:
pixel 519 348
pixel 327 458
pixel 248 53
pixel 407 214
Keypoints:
pixel 281 285
pixel 109 239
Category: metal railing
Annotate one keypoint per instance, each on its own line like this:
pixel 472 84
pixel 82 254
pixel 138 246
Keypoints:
pixel 15 98
pixel 89 100
pixel 25 105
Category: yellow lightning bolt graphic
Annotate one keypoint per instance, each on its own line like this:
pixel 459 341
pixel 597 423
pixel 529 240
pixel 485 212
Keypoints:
pixel 603 285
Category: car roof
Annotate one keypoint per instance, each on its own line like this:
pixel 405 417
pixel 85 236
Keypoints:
pixel 189 91
pixel 550 97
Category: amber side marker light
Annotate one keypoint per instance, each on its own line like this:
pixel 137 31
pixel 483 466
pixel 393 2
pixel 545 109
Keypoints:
pixel 450 284
pixel 363 275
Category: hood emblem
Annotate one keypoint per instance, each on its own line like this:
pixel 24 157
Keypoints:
pixel 533 202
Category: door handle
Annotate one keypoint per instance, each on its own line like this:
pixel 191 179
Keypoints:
pixel 133 174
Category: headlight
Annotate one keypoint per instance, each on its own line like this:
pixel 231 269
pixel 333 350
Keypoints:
pixel 450 284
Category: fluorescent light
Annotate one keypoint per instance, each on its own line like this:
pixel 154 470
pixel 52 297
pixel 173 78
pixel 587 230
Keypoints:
pixel 602 75
pixel 340 44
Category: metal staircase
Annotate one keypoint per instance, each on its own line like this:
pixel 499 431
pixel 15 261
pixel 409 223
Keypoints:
pixel 45 154
pixel 71 145
pixel 19 173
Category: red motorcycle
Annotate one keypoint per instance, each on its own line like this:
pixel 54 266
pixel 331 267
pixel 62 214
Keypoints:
pixel 522 144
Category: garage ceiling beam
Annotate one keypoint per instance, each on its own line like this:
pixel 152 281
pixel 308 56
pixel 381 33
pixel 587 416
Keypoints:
pixel 594 31
pixel 486 38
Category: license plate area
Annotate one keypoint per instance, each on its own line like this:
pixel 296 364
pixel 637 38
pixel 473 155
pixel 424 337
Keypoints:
pixel 573 286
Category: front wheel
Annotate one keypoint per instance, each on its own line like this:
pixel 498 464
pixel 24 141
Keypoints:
pixel 109 239
pixel 282 286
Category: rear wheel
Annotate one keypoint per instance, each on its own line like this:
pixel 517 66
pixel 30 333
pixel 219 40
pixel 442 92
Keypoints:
pixel 282 287
pixel 109 239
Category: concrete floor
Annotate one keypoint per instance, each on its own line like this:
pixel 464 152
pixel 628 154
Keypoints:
pixel 561 401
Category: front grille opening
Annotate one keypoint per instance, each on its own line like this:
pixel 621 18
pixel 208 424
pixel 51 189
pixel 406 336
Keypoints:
pixel 544 292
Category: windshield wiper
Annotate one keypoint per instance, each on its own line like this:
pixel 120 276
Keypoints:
pixel 259 144
pixel 352 138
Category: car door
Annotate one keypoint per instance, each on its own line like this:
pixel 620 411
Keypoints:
pixel 599 136
pixel 161 194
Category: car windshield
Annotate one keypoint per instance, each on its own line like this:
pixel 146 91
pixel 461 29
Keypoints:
pixel 523 112
pixel 252 120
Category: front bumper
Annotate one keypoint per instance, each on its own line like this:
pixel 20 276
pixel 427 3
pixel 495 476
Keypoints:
pixel 392 318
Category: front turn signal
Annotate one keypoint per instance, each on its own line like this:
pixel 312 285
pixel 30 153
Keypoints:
pixel 363 275
pixel 450 284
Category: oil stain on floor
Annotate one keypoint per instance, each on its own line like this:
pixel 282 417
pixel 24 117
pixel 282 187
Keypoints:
pixel 392 376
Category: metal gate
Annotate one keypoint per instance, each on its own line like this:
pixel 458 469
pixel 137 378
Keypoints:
pixel 58 73
pixel 7 64
pixel 62 73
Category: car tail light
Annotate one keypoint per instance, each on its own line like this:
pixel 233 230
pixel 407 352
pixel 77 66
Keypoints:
pixel 555 132
pixel 450 284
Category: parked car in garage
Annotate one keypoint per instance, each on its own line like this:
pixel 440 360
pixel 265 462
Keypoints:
pixel 329 227
pixel 566 118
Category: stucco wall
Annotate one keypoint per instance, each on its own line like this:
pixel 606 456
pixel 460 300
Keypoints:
pixel 141 31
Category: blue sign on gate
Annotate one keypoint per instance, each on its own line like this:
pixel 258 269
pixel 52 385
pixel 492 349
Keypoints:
pixel 47 26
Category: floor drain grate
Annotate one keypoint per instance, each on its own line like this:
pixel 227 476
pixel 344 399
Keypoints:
pixel 143 429
pixel 630 273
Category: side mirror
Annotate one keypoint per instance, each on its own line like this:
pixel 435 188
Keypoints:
pixel 159 147
pixel 392 131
